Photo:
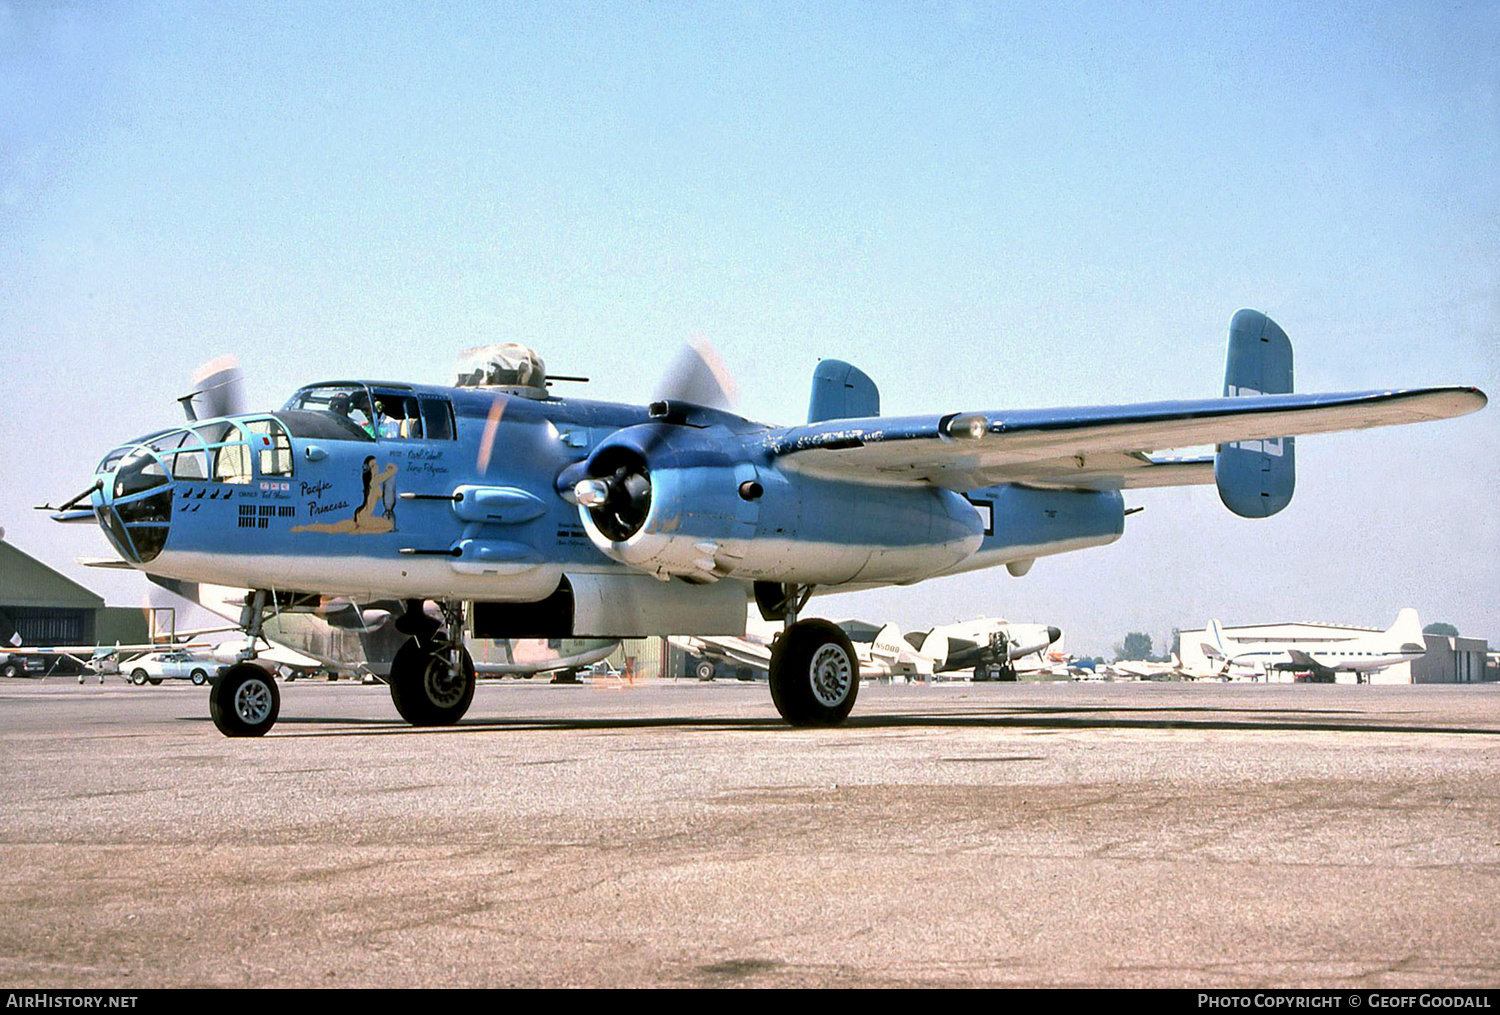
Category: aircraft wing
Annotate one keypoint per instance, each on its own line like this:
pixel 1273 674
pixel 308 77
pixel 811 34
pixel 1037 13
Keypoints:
pixel 737 650
pixel 1096 447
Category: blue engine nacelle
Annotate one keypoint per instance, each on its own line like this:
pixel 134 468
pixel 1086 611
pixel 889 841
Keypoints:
pixel 700 511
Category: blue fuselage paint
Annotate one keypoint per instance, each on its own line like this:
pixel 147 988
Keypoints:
pixel 291 501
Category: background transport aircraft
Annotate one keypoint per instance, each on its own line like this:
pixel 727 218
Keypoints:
pixel 520 514
pixel 1401 643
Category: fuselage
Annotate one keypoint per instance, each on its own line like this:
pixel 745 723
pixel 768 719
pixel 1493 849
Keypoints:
pixel 396 491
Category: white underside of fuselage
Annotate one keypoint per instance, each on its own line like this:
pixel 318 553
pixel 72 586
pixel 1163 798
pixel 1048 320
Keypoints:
pixel 826 566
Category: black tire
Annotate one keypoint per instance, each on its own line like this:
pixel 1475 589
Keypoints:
pixel 424 688
pixel 199 678
pixel 138 678
pixel 155 681
pixel 245 701
pixel 703 670
pixel 11 669
pixel 814 674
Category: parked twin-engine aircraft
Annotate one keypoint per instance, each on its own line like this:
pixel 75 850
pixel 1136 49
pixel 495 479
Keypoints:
pixel 1402 642
pixel 521 514
pixel 881 653
pixel 991 648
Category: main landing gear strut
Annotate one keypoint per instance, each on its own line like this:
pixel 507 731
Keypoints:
pixel 432 676
pixel 814 671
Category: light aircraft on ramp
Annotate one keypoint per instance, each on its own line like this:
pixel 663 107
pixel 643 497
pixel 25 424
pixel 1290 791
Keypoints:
pixel 520 514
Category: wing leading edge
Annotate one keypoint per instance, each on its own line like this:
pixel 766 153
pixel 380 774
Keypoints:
pixel 1095 447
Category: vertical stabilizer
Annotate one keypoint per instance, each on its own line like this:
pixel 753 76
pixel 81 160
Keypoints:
pixel 841 391
pixel 1217 644
pixel 1407 627
pixel 1256 478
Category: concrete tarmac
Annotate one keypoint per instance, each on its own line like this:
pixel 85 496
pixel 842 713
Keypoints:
pixel 679 834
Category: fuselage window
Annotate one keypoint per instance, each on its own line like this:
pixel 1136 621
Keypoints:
pixel 182 453
pixel 275 447
pixel 437 419
pixel 227 452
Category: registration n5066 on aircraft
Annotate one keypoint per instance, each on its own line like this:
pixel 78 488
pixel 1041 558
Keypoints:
pixel 496 506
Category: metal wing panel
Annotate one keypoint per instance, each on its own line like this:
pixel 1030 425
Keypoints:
pixel 1105 445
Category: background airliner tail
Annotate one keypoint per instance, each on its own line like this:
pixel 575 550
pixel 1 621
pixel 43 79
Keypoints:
pixel 1407 627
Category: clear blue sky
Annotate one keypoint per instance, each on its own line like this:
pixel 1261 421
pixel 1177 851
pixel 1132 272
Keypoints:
pixel 983 205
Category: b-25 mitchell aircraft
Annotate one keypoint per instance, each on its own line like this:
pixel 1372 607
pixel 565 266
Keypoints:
pixel 524 515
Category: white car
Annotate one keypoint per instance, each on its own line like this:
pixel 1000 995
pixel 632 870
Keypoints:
pixel 177 664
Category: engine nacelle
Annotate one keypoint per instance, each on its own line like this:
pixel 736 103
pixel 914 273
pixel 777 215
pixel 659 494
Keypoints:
pixel 702 513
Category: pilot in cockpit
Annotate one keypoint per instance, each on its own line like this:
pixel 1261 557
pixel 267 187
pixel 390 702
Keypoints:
pixel 355 407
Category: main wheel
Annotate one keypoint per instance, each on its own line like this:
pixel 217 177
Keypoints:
pixel 138 678
pixel 814 674
pixel 12 669
pixel 200 678
pixel 245 702
pixel 704 670
pixel 425 688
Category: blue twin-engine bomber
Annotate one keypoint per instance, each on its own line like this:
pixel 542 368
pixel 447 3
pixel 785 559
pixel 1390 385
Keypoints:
pixel 496 508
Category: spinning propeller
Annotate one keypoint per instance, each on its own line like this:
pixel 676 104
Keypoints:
pixel 617 487
pixel 218 390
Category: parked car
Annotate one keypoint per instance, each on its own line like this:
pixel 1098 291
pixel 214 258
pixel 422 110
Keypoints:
pixel 38 665
pixel 177 664
pixel 22 666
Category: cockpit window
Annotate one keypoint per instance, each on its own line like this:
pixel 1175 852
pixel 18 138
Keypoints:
pixel 397 416
pixel 381 414
pixel 351 401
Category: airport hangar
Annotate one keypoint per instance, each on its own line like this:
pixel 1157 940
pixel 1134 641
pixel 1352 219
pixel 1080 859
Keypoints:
pixel 1449 660
pixel 47 608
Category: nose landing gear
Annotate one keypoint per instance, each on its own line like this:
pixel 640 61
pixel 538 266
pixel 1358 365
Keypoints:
pixel 245 702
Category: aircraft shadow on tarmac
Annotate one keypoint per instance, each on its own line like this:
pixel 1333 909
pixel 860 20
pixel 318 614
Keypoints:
pixel 1042 719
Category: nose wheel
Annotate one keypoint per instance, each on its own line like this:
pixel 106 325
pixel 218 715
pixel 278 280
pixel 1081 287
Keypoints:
pixel 245 702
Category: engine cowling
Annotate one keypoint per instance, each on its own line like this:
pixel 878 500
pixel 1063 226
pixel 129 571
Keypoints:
pixel 693 504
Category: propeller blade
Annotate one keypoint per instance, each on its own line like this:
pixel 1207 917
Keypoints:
pixel 698 375
pixel 219 388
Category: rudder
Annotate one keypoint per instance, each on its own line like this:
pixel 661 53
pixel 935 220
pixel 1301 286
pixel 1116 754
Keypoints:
pixel 1256 478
